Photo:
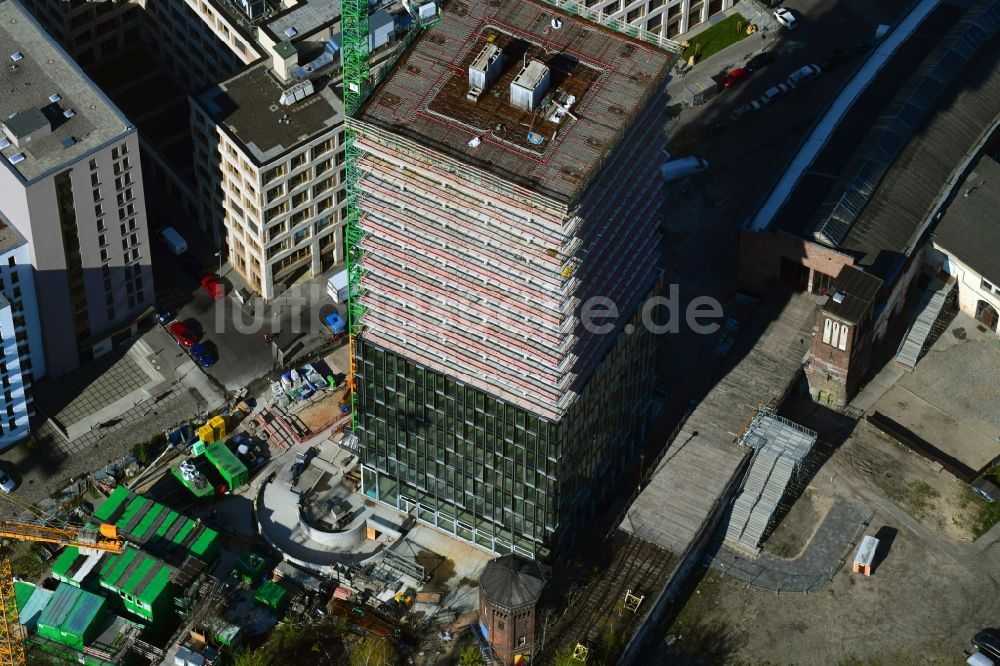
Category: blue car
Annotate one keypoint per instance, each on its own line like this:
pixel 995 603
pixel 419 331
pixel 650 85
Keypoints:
pixel 201 355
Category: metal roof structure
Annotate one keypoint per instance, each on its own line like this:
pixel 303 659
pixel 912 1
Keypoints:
pixel 72 616
pixel 157 528
pixel 136 574
pixel 773 431
pixel 511 581
pixel 31 601
pixel 970 228
pixel 608 76
pixel 918 145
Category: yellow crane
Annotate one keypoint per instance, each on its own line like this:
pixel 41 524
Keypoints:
pixel 103 538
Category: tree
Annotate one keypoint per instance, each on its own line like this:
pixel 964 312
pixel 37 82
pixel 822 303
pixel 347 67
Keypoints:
pixel 248 657
pixel 470 657
pixel 373 652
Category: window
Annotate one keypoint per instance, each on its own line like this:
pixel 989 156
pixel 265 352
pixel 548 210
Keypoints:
pixel 522 640
pixel 98 210
pixel 94 180
pixel 986 285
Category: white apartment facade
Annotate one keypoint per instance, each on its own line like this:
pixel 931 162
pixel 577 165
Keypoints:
pixel 71 185
pixel 668 18
pixel 21 354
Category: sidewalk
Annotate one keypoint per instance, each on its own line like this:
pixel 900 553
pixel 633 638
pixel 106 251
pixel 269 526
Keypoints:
pixel 734 55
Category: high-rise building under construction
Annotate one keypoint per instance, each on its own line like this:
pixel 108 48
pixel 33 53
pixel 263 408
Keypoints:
pixel 508 176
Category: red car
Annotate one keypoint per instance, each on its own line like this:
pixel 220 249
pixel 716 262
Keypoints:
pixel 736 76
pixel 183 334
pixel 213 287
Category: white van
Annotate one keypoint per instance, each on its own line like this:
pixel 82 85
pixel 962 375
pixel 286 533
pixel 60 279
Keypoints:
pixel 804 74
pixel 685 166
pixel 173 240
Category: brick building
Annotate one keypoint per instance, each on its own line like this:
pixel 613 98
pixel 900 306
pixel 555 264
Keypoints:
pixel 854 224
pixel 509 590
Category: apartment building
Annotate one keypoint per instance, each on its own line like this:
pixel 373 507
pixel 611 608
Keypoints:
pixel 273 174
pixel 269 147
pixel 71 185
pixel 21 354
pixel 668 18
pixel 497 204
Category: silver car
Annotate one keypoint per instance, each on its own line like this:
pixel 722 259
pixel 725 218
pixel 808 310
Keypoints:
pixel 773 93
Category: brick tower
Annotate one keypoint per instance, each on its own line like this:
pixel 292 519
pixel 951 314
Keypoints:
pixel 509 589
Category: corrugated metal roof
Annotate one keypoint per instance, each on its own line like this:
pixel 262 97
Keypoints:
pixel 157 528
pixel 31 609
pixel 512 581
pixel 70 614
pixel 970 229
pixel 906 113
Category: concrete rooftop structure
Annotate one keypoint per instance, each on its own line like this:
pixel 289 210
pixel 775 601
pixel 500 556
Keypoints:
pixel 39 87
pixel 248 105
pixel 610 75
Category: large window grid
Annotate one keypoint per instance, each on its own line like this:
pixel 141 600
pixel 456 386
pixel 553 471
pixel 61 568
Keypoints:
pixel 463 460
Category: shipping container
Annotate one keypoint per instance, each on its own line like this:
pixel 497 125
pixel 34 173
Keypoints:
pixel 229 465
pixel 72 616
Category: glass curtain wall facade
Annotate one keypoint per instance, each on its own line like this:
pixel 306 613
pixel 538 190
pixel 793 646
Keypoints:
pixel 492 473
pixel 468 463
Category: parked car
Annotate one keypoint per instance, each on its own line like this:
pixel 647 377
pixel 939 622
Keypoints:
pixel 192 265
pixel 212 286
pixel 735 76
pixel 987 641
pixel 785 18
pixel 163 315
pixel 183 334
pixel 986 489
pixel 838 57
pixel 773 93
pixel 201 355
pixel 744 109
pixel 7 484
pixel 173 240
pixel 759 61
pixel 803 75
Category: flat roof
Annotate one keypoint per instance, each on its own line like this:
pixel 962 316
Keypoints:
pixel 248 105
pixel 26 89
pixel 970 228
pixel 703 457
pixel 610 75
pixel 303 18
pixel 9 236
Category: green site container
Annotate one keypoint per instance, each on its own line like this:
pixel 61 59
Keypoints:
pixel 229 466
pixel 249 567
pixel 159 529
pixel 141 582
pixel 272 596
pixel 72 616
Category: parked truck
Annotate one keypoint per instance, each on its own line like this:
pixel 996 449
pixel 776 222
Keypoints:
pixel 337 287
pixel 682 167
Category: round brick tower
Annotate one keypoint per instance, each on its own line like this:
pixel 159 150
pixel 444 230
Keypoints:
pixel 509 589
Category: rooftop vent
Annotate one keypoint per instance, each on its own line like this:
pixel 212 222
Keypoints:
pixel 838 297
pixel 290 32
pixel 529 86
pixel 69 113
pixel 4 143
pixel 16 56
pixel 68 142
pixel 297 92
pixel 16 158
pixel 484 70
pixel 55 97
pixel 557 23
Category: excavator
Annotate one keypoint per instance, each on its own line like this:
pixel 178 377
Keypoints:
pixel 104 538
